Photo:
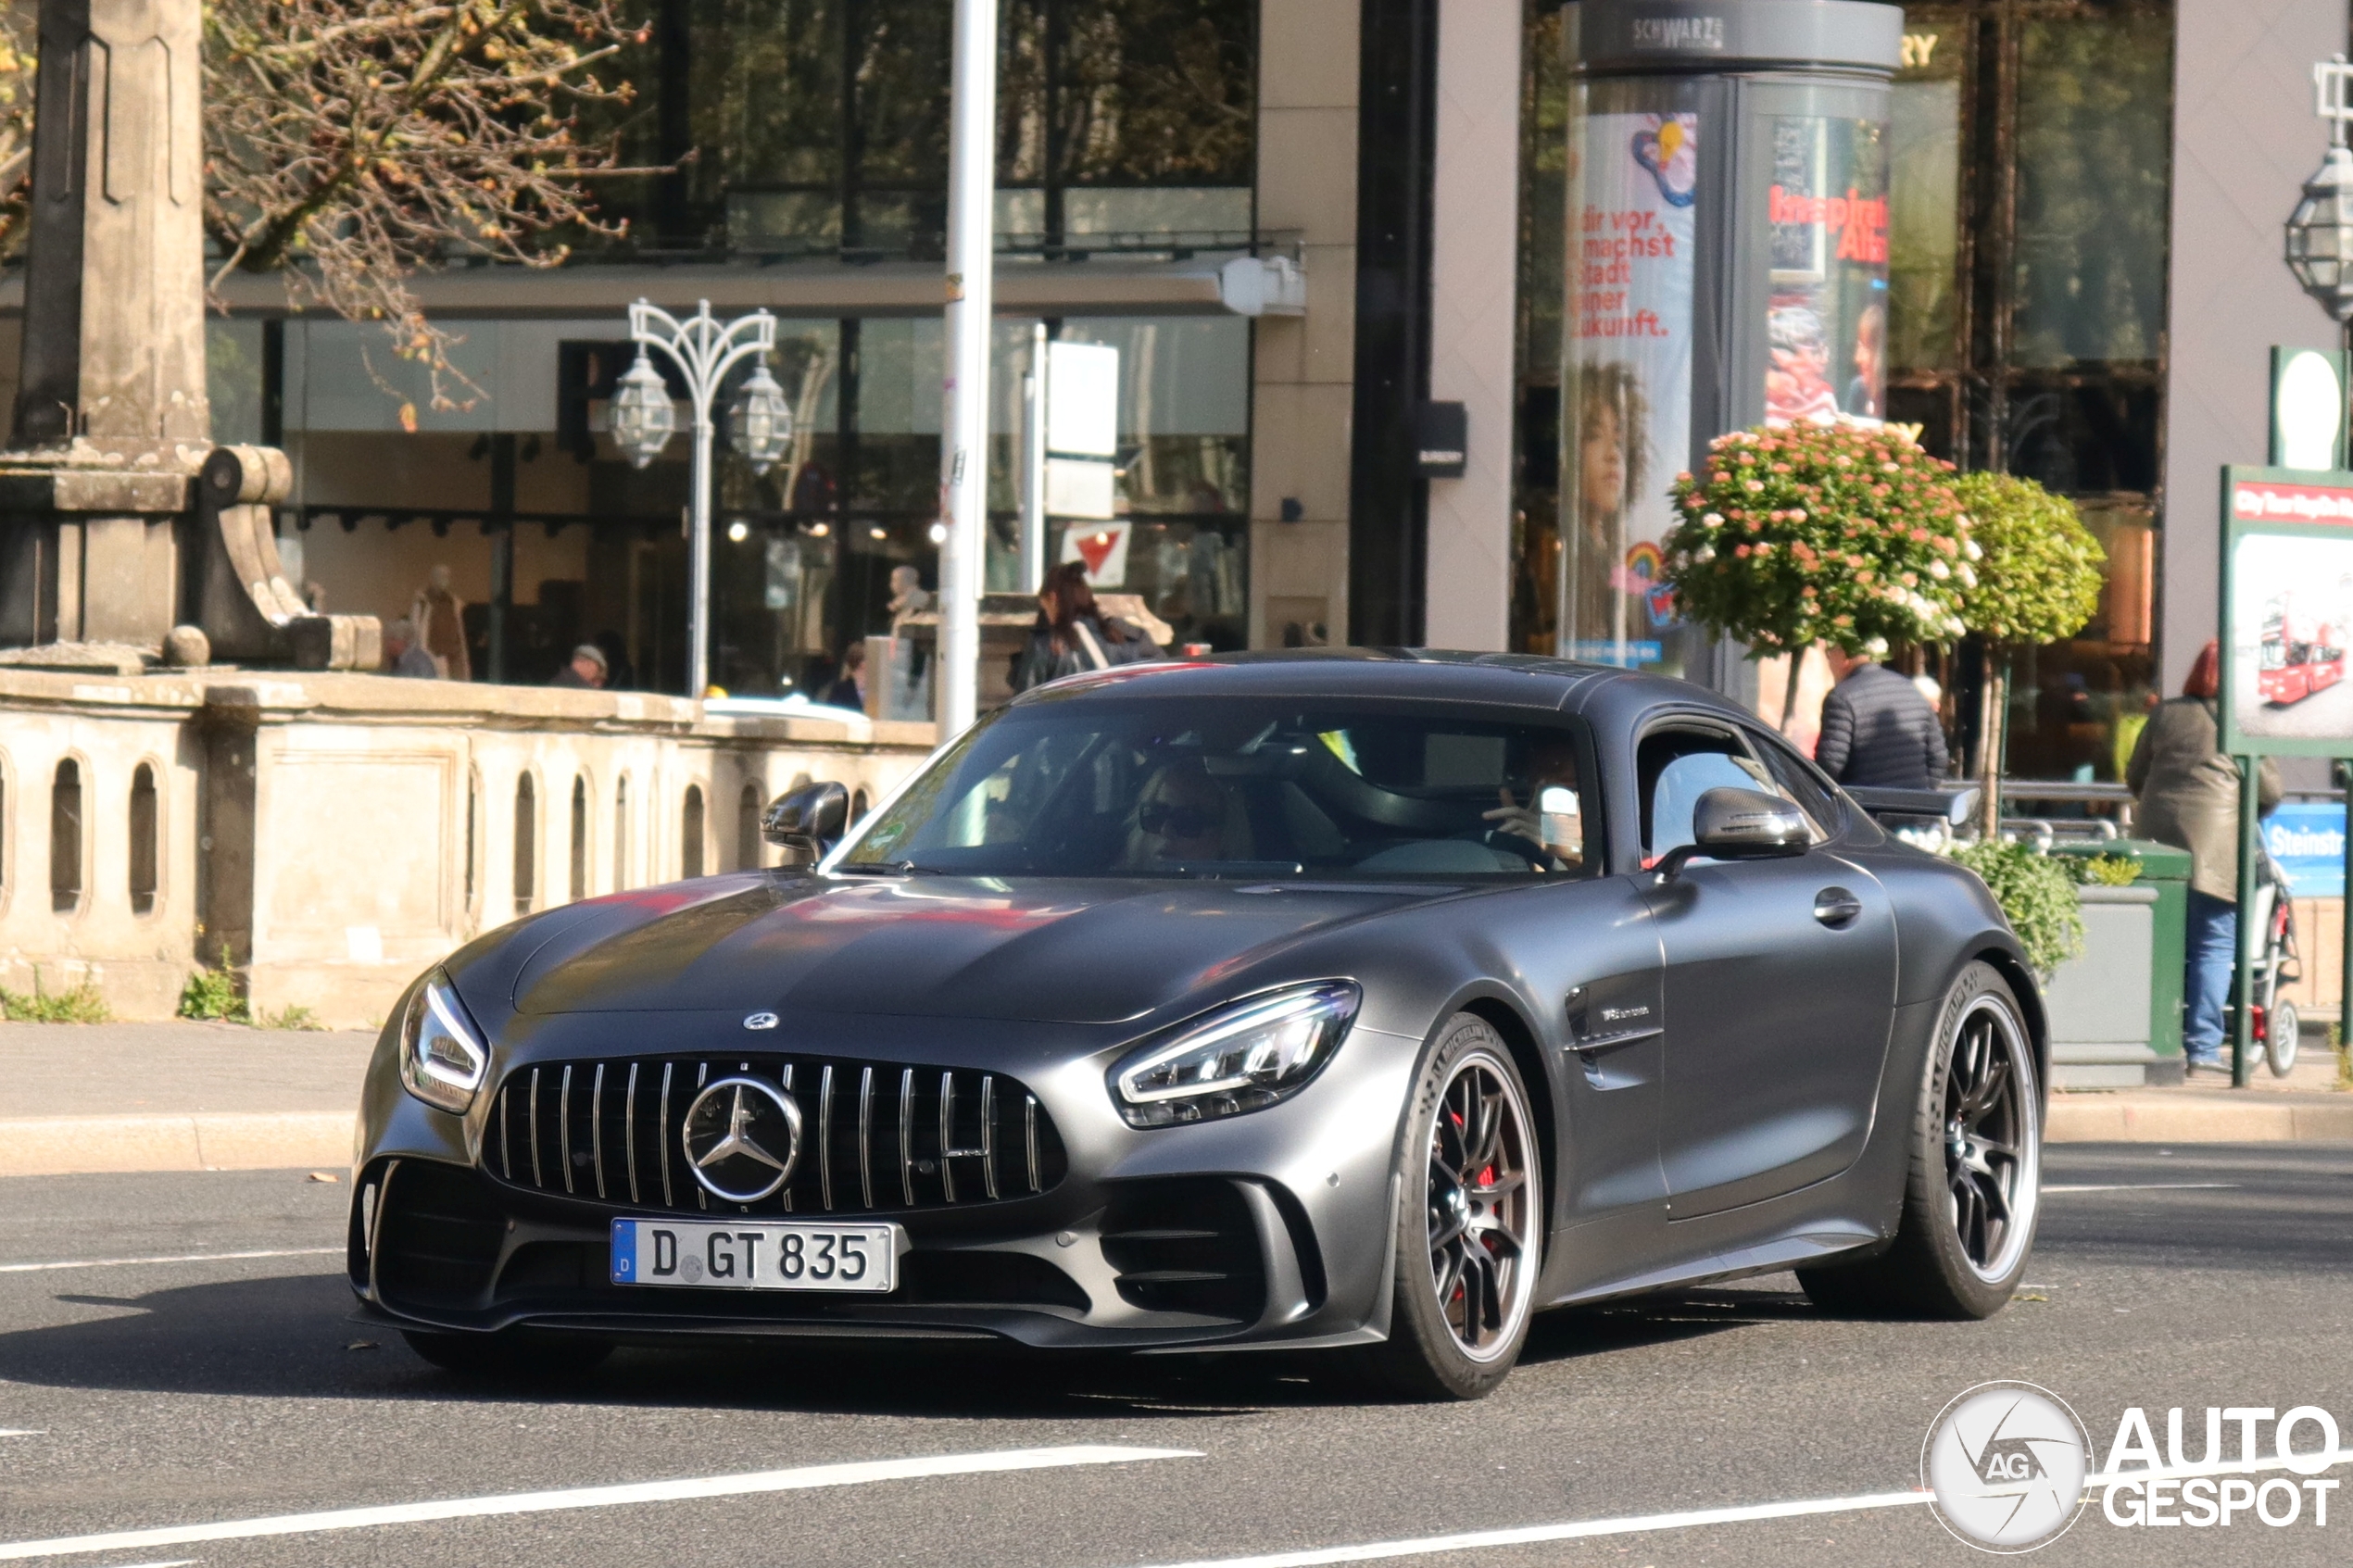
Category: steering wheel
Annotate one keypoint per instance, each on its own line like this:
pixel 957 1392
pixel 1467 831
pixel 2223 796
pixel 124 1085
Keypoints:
pixel 1510 843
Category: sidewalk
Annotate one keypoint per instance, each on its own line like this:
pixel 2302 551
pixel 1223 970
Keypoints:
pixel 2304 1107
pixel 220 1097
pixel 84 1097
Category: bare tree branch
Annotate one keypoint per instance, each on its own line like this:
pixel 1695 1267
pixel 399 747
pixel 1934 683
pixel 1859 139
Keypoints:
pixel 351 143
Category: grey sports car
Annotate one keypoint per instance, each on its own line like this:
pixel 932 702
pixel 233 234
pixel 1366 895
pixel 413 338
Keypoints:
pixel 1365 1003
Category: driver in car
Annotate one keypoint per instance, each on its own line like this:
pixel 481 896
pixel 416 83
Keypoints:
pixel 1186 815
pixel 1551 822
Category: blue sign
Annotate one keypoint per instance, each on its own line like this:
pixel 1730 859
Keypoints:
pixel 2306 839
pixel 1603 650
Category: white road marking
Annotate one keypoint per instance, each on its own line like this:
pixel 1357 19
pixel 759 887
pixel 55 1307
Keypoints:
pixel 178 1257
pixel 2149 1187
pixel 24 1432
pixel 799 1479
pixel 1688 1519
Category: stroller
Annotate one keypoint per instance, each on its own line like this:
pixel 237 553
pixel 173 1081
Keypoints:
pixel 2276 961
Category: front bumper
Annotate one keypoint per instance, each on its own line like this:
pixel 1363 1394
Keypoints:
pixel 1269 1229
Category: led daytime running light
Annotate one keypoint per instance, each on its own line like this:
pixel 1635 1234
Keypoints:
pixel 442 1060
pixel 1240 1059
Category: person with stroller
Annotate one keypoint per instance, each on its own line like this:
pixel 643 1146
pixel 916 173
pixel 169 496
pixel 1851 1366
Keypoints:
pixel 2186 794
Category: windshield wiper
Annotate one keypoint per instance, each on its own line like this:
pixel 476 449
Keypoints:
pixel 886 868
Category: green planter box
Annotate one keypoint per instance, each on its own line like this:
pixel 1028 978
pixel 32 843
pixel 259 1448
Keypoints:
pixel 2115 1011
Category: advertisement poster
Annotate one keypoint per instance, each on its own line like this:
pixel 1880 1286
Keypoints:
pixel 1628 411
pixel 2305 840
pixel 2291 617
pixel 1827 316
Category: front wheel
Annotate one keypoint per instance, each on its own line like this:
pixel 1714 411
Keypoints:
pixel 1470 1227
pixel 2279 1026
pixel 1974 1189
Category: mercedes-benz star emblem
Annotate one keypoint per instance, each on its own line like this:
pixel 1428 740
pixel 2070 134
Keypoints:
pixel 742 1138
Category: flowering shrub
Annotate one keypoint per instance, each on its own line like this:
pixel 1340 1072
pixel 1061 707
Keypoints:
pixel 1817 533
pixel 2040 579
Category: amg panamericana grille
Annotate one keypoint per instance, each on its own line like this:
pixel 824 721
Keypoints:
pixel 874 1136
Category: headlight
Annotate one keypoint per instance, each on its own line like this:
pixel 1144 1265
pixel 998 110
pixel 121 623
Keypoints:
pixel 1242 1058
pixel 442 1056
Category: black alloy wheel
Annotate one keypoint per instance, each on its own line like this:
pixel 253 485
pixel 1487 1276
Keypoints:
pixel 1974 1177
pixel 1991 1152
pixel 1469 1221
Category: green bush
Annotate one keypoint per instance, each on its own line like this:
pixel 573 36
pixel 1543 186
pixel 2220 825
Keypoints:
pixel 2039 580
pixel 212 993
pixel 80 1005
pixel 2037 897
pixel 2105 871
pixel 291 1016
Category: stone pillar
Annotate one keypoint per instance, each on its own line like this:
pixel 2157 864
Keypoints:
pixel 111 417
pixel 114 284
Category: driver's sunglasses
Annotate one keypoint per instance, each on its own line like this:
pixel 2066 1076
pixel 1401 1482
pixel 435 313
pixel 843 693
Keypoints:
pixel 1174 822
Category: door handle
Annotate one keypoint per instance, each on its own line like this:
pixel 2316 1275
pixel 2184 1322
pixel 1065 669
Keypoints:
pixel 1836 908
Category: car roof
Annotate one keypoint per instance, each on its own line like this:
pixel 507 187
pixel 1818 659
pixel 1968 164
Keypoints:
pixel 1429 674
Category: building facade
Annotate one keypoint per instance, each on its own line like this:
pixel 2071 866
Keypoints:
pixel 2083 201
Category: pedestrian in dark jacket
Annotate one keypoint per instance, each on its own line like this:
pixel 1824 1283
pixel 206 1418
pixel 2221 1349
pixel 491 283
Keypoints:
pixel 1878 728
pixel 1072 636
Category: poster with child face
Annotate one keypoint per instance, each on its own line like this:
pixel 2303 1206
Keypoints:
pixel 1627 407
pixel 1826 320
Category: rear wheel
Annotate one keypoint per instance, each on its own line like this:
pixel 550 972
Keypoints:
pixel 508 1356
pixel 1470 1231
pixel 1974 1189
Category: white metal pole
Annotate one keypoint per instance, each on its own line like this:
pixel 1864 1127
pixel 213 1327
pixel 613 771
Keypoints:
pixel 1032 466
pixel 963 416
pixel 699 554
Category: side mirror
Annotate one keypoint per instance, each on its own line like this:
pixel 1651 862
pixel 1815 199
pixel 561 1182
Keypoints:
pixel 1740 824
pixel 811 820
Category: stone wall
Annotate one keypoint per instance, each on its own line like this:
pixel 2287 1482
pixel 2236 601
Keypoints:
pixel 330 835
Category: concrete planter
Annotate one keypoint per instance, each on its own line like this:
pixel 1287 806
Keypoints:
pixel 2106 1006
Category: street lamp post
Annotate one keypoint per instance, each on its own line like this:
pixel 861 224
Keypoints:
pixel 760 422
pixel 2320 232
pixel 963 421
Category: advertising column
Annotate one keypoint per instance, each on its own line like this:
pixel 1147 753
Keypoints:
pixel 1726 251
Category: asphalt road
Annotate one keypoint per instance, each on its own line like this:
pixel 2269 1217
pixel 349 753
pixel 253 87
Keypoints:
pixel 183 1393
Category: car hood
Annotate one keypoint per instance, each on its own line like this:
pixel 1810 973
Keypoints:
pixel 1061 952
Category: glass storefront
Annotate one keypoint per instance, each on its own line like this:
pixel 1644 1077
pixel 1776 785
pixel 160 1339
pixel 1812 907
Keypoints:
pixel 806 558
pixel 800 127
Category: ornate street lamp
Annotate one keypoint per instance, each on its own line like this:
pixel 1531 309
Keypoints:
pixel 2320 233
pixel 705 350
pixel 643 420
pixel 759 420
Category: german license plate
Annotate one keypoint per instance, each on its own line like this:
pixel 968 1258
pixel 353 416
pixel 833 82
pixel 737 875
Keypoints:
pixel 763 1256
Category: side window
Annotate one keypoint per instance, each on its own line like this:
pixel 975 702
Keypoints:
pixel 1675 766
pixel 1802 785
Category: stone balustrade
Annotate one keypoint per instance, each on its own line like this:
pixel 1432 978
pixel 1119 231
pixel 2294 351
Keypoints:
pixel 330 835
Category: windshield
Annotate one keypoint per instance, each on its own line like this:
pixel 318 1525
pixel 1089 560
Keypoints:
pixel 1243 788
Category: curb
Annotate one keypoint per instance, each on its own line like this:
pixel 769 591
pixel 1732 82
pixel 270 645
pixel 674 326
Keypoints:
pixel 2174 1118
pixel 75 1145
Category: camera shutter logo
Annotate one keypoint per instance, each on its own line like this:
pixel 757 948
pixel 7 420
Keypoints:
pixel 2006 1462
